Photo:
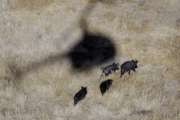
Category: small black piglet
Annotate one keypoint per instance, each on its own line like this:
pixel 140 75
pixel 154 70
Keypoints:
pixel 80 95
pixel 105 85
pixel 128 66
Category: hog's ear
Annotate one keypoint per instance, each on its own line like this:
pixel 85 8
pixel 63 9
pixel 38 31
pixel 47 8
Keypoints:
pixel 136 61
pixel 111 80
pixel 83 87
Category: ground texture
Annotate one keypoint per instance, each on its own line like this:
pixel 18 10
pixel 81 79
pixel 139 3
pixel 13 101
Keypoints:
pixel 146 30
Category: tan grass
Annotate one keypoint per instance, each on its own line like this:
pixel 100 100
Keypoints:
pixel 144 30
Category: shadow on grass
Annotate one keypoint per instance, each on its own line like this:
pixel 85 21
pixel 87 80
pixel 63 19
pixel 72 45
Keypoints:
pixel 92 49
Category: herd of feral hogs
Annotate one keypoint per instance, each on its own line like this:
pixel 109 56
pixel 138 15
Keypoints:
pixel 106 84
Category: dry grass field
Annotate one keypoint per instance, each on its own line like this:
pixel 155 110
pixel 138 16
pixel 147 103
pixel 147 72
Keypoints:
pixel 146 30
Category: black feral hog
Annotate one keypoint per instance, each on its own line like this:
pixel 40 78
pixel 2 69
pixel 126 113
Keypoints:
pixel 128 66
pixel 80 95
pixel 105 85
pixel 110 68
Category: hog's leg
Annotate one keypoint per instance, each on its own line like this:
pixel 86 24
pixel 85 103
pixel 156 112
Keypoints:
pixel 122 72
pixel 129 72
pixel 134 69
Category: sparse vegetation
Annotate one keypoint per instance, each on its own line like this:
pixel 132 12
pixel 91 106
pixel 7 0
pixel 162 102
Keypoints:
pixel 148 32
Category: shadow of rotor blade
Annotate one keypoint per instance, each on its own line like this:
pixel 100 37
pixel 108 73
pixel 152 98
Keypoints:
pixel 19 72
